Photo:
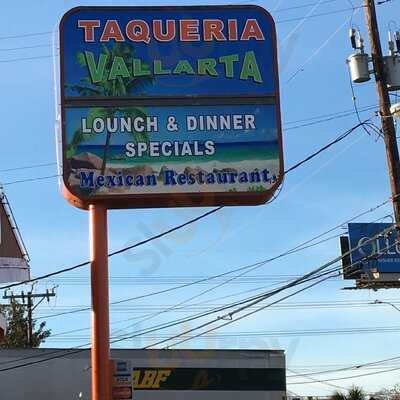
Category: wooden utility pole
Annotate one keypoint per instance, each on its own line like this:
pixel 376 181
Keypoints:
pixel 388 128
pixel 30 327
pixel 29 296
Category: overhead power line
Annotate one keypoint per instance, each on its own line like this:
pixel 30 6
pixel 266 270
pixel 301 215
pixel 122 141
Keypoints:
pixel 229 317
pixel 318 15
pixel 79 349
pixel 138 308
pixel 334 117
pixel 11 60
pixel 127 248
pixel 347 377
pixel 33 34
pixel 313 121
pixel 348 111
pixel 178 227
pixel 180 306
pixel 37 46
pixel 352 367
pixel 326 147
pixel 313 380
pixel 25 35
pixel 63 336
pixel 39 178
pixel 295 249
pixel 28 167
pixel 304 6
pixel 315 274
pixel 311 276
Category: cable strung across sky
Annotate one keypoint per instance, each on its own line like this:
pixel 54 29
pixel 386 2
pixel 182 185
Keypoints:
pixel 169 231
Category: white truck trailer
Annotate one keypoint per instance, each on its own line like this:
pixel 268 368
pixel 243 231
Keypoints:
pixel 39 374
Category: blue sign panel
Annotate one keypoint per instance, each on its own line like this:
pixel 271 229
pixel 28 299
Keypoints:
pixel 381 253
pixel 167 52
pixel 170 106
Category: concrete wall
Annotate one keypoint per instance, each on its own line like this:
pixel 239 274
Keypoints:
pixel 65 375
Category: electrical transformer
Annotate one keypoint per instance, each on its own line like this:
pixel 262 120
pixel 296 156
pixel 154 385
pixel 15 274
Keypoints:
pixel 392 71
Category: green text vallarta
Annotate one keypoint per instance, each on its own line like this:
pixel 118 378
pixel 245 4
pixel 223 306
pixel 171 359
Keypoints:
pixel 248 67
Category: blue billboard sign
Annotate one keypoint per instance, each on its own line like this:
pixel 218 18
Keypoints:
pixel 382 253
pixel 168 52
pixel 170 106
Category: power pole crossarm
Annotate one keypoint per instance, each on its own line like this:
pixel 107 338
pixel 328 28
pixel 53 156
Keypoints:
pixel 30 307
pixel 388 127
pixel 30 325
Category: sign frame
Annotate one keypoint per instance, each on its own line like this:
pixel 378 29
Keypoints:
pixel 161 200
pixel 371 272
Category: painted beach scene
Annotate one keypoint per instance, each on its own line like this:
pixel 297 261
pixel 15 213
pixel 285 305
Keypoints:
pixel 125 149
pixel 217 148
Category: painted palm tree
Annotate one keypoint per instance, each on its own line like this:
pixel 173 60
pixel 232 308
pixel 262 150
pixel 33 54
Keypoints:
pixel 119 87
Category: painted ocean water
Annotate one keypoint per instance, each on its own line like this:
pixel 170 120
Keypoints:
pixel 225 152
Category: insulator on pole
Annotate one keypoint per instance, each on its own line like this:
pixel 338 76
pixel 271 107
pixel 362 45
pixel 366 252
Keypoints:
pixel 352 35
pixel 391 43
pixel 397 39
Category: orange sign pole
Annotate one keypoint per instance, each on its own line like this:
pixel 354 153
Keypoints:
pixel 100 319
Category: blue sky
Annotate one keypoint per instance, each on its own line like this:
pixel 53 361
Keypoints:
pixel 343 181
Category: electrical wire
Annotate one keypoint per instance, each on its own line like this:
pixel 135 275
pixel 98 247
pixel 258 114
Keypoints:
pixel 355 106
pixel 229 316
pixel 37 46
pixel 28 167
pixel 318 15
pixel 11 60
pixel 325 118
pixel 333 118
pixel 327 146
pixel 356 366
pixel 179 305
pixel 142 242
pixel 68 269
pixel 304 6
pixel 316 274
pixel 40 178
pixel 287 306
pixel 25 35
pixel 79 349
pixel 346 377
pixel 64 336
pixel 349 111
pixel 313 380
pixel 304 245
pixel 320 48
pixel 310 275
pixel 320 119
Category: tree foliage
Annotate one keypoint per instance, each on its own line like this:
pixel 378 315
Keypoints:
pixel 338 396
pixel 355 393
pixel 18 328
pixel 392 393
